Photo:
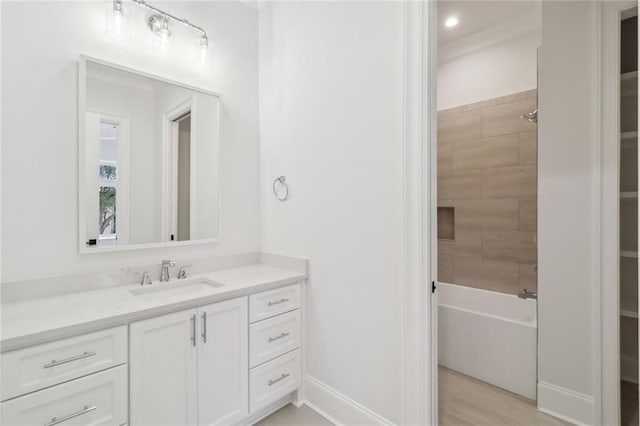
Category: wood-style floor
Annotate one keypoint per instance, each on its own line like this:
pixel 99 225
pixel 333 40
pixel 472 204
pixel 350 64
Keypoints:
pixel 289 415
pixel 465 401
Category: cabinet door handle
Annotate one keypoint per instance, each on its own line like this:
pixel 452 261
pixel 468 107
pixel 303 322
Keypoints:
pixel 193 329
pixel 83 355
pixel 55 420
pixel 282 377
pixel 204 327
pixel 273 339
pixel 278 302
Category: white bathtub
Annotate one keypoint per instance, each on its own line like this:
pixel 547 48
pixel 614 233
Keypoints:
pixel 490 336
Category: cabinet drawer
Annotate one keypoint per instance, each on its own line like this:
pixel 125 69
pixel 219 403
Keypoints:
pixel 273 302
pixel 273 380
pixel 98 399
pixel 273 337
pixel 37 367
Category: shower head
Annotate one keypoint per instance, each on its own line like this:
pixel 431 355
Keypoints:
pixel 531 117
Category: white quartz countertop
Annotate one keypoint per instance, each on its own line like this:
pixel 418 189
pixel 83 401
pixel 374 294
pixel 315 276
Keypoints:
pixel 35 321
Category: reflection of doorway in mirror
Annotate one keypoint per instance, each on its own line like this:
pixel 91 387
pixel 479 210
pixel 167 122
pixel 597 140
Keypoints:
pixel 180 177
pixel 108 179
pixel 183 216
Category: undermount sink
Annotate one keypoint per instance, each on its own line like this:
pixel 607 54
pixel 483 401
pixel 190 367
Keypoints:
pixel 176 287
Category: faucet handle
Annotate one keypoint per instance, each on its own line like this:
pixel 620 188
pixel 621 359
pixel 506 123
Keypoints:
pixel 182 273
pixel 146 278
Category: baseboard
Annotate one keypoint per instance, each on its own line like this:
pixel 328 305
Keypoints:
pixel 338 408
pixel 565 404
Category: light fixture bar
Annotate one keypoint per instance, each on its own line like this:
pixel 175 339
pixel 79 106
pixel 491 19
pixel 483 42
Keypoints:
pixel 117 5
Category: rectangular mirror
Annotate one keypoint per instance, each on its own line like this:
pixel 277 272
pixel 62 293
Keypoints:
pixel 148 160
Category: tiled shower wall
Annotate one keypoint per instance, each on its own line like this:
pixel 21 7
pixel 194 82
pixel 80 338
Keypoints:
pixel 487 172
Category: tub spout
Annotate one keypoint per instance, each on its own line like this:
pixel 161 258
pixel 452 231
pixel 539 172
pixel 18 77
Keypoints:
pixel 525 294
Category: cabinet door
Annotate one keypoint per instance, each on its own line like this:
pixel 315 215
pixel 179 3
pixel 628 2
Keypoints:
pixel 163 370
pixel 223 363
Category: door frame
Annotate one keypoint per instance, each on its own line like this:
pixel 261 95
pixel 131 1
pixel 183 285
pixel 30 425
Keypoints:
pixel 419 245
pixel 609 367
pixel 170 168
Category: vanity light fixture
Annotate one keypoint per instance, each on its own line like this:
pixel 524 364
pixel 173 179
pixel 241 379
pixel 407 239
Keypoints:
pixel 451 22
pixel 159 24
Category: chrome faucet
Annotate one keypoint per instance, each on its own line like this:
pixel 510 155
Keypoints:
pixel 146 279
pixel 164 272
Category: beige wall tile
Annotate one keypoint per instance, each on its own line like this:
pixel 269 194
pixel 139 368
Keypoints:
pixel 501 245
pixel 528 277
pixel 460 127
pixel 486 274
pixel 487 171
pixel 504 119
pixel 528 147
pixel 468 107
pixel 510 246
pixel 460 184
pixel 505 182
pixel 528 247
pixel 444 158
pixel 468 243
pixel 485 153
pixel 533 93
pixel 487 214
pixel 445 269
pixel 528 214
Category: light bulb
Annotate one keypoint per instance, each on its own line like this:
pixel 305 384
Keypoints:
pixel 117 20
pixel 201 51
pixel 451 22
pixel 159 26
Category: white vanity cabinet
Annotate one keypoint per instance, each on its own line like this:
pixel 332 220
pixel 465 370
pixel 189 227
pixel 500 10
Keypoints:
pixel 190 367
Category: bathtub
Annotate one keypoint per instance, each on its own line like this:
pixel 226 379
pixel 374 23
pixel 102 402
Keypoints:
pixel 490 336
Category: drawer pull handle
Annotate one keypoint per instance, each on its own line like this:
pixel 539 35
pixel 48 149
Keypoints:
pixel 193 329
pixel 282 377
pixel 204 327
pixel 278 302
pixel 55 420
pixel 84 355
pixel 273 339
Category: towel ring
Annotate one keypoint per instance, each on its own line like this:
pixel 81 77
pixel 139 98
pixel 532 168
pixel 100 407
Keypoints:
pixel 283 182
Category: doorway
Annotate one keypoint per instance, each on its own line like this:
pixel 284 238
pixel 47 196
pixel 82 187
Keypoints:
pixel 183 186
pixel 487 212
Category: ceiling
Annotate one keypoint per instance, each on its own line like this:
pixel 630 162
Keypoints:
pixel 478 16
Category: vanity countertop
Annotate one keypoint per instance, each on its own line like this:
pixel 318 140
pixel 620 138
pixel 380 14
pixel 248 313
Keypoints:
pixel 34 321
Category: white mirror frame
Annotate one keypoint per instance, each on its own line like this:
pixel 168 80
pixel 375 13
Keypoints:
pixel 82 106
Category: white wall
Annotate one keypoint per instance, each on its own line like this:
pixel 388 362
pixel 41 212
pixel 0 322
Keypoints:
pixel 331 119
pixel 568 206
pixel 39 132
pixel 500 69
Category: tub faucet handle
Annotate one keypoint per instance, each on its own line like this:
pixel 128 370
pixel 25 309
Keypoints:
pixel 526 294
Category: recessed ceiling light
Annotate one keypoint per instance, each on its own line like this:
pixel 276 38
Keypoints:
pixel 451 22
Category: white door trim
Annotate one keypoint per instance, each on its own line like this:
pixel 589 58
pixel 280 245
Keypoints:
pixel 419 312
pixel 609 307
pixel 170 167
